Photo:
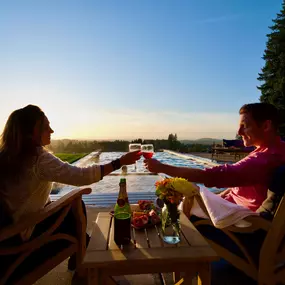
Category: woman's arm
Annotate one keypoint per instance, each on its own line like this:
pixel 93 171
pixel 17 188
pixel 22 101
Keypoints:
pixel 126 159
pixel 50 168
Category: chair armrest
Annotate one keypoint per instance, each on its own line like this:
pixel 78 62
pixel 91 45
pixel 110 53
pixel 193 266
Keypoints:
pixel 259 222
pixel 256 222
pixel 66 200
pixel 31 220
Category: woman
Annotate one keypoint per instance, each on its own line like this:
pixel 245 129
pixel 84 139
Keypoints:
pixel 27 169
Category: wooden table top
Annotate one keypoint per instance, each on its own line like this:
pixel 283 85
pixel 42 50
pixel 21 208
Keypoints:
pixel 103 252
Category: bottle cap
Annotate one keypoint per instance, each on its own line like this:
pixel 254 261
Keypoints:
pixel 123 180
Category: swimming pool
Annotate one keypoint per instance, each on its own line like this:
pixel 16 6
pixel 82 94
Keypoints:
pixel 135 183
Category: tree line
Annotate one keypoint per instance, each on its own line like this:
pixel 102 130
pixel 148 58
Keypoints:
pixel 82 146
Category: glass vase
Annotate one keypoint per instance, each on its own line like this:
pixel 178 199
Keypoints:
pixel 170 223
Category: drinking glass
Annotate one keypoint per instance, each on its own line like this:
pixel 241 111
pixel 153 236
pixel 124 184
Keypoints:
pixel 147 150
pixel 170 223
pixel 135 147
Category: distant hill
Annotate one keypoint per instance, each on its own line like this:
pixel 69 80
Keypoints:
pixel 203 141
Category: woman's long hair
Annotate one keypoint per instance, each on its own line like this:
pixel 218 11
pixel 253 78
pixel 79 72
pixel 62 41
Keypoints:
pixel 18 146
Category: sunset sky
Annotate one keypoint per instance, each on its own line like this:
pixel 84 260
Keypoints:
pixel 125 69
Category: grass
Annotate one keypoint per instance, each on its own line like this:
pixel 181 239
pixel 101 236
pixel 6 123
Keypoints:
pixel 70 157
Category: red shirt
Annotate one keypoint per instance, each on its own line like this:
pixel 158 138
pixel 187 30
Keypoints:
pixel 249 177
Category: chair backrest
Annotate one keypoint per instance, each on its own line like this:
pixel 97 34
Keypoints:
pixel 273 249
pixel 5 217
pixel 274 194
pixel 19 268
pixel 232 143
pixel 237 144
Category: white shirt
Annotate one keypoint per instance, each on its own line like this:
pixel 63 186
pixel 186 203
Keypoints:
pixel 31 192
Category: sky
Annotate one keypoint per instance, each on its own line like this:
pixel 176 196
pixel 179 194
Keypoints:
pixel 127 69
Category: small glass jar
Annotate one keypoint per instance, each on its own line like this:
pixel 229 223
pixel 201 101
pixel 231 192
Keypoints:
pixel 170 223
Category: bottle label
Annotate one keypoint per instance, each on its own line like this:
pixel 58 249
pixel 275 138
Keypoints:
pixel 121 202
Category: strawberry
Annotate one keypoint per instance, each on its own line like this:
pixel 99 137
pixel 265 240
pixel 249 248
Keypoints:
pixel 145 204
pixel 144 219
pixel 138 222
pixel 154 218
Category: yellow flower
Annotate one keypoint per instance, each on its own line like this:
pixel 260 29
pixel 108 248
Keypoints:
pixel 173 189
pixel 184 187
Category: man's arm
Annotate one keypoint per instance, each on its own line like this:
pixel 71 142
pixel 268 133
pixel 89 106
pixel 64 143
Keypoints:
pixel 191 174
pixel 254 169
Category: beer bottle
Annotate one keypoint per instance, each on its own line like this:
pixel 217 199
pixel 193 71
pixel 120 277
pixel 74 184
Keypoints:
pixel 122 216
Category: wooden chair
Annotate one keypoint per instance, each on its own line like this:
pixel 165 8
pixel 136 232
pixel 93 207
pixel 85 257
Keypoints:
pixel 269 267
pixel 18 266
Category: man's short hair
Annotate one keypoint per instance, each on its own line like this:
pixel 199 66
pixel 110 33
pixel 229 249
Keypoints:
pixel 262 112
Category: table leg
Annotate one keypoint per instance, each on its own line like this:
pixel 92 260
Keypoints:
pixel 176 276
pixel 94 277
pixel 108 280
pixel 190 277
pixel 81 272
pixel 204 274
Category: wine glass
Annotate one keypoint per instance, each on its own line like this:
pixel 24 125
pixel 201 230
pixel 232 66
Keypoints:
pixel 135 147
pixel 147 150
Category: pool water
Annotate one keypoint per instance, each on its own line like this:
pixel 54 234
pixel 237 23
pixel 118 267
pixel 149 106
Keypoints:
pixel 135 183
pixel 164 157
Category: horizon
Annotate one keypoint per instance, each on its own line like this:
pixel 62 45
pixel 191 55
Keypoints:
pixel 125 139
pixel 134 69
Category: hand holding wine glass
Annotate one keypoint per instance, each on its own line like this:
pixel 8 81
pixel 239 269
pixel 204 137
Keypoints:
pixel 130 158
pixel 135 147
pixel 153 165
pixel 147 150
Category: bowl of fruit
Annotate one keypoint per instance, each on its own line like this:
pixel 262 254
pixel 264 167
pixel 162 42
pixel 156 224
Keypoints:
pixel 147 215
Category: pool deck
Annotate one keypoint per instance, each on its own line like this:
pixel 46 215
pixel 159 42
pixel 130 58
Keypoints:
pixel 222 158
pixel 206 158
pixel 201 160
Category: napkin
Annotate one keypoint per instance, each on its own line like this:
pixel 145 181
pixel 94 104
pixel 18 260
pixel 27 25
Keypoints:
pixel 222 213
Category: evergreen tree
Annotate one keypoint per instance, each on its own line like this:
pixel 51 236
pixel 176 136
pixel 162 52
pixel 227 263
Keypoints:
pixel 173 143
pixel 273 72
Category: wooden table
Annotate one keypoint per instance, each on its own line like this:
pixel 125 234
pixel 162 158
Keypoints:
pixel 104 259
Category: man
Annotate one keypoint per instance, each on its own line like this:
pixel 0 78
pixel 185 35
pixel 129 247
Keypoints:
pixel 249 178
